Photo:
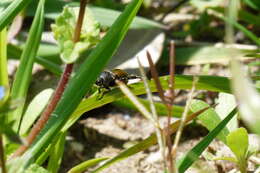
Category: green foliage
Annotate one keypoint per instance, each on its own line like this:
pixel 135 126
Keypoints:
pixel 63 30
pixel 253 4
pixel 237 141
pixel 82 81
pixel 85 165
pixel 196 151
pixel 34 109
pixel 11 11
pixel 24 72
pixel 210 119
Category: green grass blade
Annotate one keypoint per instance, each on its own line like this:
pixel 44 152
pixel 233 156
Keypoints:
pixel 4 83
pixel 85 165
pixel 11 11
pixel 83 80
pixel 196 151
pixel 3 59
pixel 210 83
pixel 56 154
pixel 24 72
pixel 160 107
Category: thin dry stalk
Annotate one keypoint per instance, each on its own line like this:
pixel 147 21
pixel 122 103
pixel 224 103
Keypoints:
pixel 59 90
pixel 170 98
pixel 141 108
pixel 158 131
pixel 183 120
pixel 166 103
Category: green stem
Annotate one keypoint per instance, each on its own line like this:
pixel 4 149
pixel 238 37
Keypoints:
pixel 3 59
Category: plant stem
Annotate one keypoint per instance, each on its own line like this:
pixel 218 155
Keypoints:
pixel 170 97
pixel 2 156
pixel 59 90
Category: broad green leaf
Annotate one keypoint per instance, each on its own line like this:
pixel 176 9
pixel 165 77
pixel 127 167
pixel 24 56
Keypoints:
pixel 145 144
pixel 211 83
pixel 56 154
pixel 210 119
pixel 83 80
pixel 63 30
pixel 205 54
pixel 15 52
pixel 226 103
pixel 247 97
pixel 34 109
pixel 11 11
pixel 107 16
pixel 24 72
pixel 237 141
pixel 85 165
pixel 196 151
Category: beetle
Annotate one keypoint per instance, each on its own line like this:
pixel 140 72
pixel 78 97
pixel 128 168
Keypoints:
pixel 107 78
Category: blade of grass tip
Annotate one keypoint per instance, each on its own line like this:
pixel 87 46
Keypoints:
pixel 82 81
pixel 135 101
pixel 155 77
pixel 24 72
pixel 145 144
pixel 158 129
pixel 196 151
pixel 11 11
pixel 87 164
pixel 183 120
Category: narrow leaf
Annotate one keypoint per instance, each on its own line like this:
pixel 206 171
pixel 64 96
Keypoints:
pixel 85 165
pixel 24 72
pixel 11 11
pixel 196 151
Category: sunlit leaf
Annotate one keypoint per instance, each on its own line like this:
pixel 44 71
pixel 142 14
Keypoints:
pixel 63 30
